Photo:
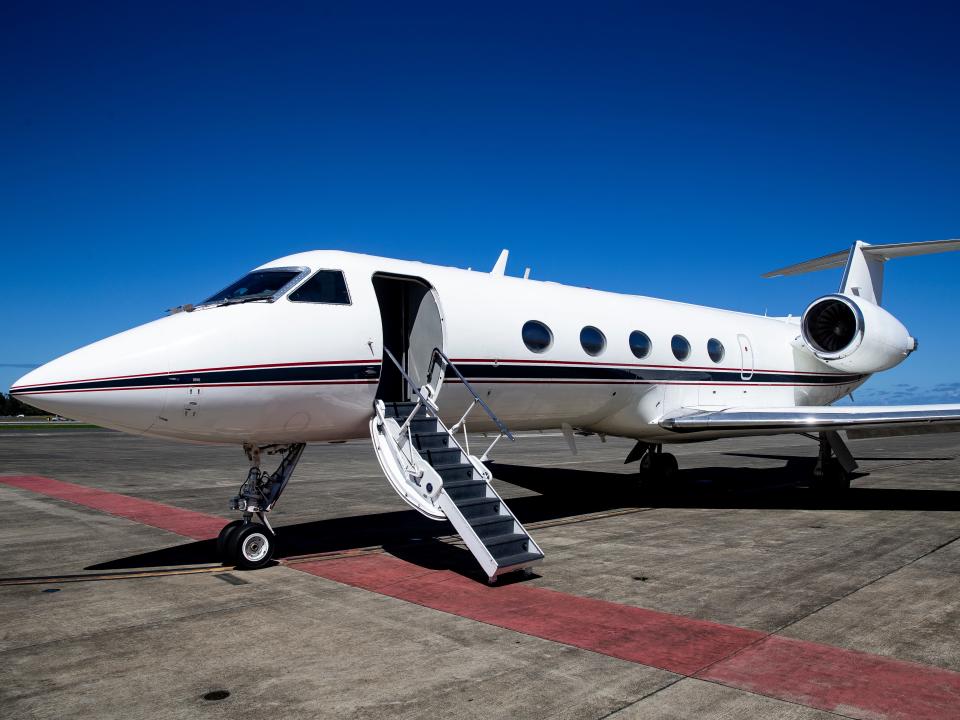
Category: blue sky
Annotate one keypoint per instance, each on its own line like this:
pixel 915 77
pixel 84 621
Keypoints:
pixel 151 153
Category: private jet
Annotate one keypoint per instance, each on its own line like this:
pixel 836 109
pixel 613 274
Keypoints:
pixel 329 346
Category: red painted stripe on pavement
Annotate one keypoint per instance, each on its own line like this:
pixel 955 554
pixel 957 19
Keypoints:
pixel 195 525
pixel 679 644
pixel 822 676
pixel 845 681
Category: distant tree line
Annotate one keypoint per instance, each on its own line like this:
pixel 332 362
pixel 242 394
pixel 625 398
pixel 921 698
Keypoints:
pixel 9 405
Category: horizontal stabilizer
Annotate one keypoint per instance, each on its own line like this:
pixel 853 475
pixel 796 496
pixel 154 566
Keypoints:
pixel 863 264
pixel 775 421
pixel 878 252
pixel 837 259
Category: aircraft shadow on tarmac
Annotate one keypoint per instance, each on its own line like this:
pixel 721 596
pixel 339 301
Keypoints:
pixel 564 493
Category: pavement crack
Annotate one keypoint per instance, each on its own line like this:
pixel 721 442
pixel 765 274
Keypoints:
pixel 857 589
pixel 644 697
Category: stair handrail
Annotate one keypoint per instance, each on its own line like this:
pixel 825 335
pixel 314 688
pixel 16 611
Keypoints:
pixel 437 352
pixel 409 379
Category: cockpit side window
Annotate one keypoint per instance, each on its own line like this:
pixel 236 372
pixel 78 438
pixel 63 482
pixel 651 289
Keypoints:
pixel 257 285
pixel 327 286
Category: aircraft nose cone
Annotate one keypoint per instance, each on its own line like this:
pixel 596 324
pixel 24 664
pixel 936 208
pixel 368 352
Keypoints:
pixel 118 382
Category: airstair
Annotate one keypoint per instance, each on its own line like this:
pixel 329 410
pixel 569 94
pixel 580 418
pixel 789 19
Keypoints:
pixel 440 477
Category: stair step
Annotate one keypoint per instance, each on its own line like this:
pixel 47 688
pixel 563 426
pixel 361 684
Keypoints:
pixel 442 456
pixel 421 424
pixel 520 559
pixel 431 440
pixel 441 466
pixel 507 545
pixel 395 407
pixel 491 525
pixel 402 410
pixel 478 507
pixel 464 489
pixel 454 472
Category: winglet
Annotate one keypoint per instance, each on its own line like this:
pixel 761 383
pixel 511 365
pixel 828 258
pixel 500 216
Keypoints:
pixel 501 265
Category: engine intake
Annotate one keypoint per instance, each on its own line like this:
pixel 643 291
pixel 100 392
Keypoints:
pixel 854 335
pixel 831 325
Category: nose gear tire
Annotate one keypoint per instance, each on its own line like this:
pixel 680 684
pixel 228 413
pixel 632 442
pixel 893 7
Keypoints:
pixel 223 539
pixel 251 546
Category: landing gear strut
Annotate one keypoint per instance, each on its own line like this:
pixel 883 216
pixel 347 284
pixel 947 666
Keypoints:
pixel 835 463
pixel 656 466
pixel 244 543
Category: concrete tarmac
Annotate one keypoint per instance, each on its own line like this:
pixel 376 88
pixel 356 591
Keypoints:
pixel 738 541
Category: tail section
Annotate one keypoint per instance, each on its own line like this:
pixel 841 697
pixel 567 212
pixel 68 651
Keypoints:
pixel 863 265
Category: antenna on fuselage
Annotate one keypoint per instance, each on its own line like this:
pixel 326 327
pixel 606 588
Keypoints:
pixel 500 267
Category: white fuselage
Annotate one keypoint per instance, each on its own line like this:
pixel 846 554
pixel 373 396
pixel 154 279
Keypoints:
pixel 279 372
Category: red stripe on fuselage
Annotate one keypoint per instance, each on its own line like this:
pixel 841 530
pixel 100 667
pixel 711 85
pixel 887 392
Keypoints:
pixel 461 360
pixel 213 369
pixel 535 361
pixel 203 385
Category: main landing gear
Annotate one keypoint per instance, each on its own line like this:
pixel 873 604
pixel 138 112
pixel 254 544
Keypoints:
pixel 657 468
pixel 244 543
pixel 835 464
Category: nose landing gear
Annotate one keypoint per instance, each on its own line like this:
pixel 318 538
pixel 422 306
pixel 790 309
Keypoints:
pixel 244 543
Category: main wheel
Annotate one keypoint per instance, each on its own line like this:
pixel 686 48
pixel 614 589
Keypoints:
pixel 661 464
pixel 223 539
pixel 667 465
pixel 830 480
pixel 251 546
pixel 657 470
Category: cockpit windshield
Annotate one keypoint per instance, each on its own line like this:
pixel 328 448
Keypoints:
pixel 257 285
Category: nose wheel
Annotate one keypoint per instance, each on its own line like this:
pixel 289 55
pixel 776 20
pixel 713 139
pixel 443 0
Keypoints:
pixel 246 545
pixel 223 539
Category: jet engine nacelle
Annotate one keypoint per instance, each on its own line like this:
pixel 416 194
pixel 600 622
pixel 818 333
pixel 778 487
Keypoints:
pixel 855 335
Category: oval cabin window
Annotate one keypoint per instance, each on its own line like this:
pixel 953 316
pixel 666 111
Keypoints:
pixel 592 340
pixel 536 336
pixel 715 350
pixel 640 344
pixel 680 346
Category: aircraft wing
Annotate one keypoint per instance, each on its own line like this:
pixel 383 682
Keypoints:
pixel 858 421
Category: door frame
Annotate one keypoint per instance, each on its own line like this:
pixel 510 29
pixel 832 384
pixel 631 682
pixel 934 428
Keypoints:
pixel 404 357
